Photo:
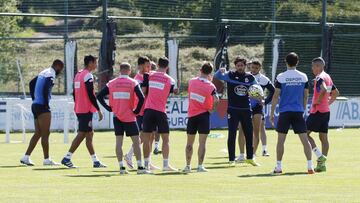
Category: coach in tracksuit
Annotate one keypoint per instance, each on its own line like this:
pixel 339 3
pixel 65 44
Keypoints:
pixel 239 110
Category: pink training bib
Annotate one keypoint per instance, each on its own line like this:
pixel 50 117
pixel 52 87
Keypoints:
pixel 323 107
pixel 159 89
pixel 82 101
pixel 200 96
pixel 122 97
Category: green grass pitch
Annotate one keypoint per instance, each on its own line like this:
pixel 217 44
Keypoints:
pixel 341 183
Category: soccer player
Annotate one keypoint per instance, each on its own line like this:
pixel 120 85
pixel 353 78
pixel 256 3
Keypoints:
pixel 160 85
pixel 144 65
pixel 293 88
pixel 122 92
pixel 40 90
pixel 156 135
pixel 239 110
pixel 257 112
pixel 202 100
pixel 85 106
pixel 325 93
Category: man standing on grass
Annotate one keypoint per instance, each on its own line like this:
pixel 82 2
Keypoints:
pixel 202 100
pixel 85 106
pixel 144 65
pixel 122 92
pixel 40 90
pixel 293 88
pixel 160 85
pixel 325 93
pixel 239 110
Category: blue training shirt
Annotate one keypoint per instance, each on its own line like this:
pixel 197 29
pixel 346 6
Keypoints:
pixel 237 88
pixel 292 84
pixel 43 86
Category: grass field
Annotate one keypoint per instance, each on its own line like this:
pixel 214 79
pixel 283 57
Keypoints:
pixel 222 184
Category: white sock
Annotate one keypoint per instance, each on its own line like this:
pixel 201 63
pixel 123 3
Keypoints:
pixel 68 155
pixel 242 155
pixel 121 164
pixel 188 166
pixel 139 164
pixel 200 166
pixel 278 165
pixel 264 148
pixel 157 144
pixel 146 162
pixel 310 164
pixel 317 152
pixel 94 158
pixel 26 157
pixel 48 159
pixel 166 162
pixel 130 152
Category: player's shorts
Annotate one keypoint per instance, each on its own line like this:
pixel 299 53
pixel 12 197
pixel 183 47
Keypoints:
pixel 130 128
pixel 38 109
pixel 318 122
pixel 155 119
pixel 85 122
pixel 293 119
pixel 139 121
pixel 258 109
pixel 199 123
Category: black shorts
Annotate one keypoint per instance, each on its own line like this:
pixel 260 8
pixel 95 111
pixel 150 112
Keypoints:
pixel 293 119
pixel 199 123
pixel 85 122
pixel 258 109
pixel 130 128
pixel 155 119
pixel 139 121
pixel 318 122
pixel 38 109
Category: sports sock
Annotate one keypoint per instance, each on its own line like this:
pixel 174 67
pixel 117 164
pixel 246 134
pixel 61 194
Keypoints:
pixel 166 162
pixel 310 164
pixel 146 162
pixel 26 157
pixel 264 148
pixel 94 158
pixel 278 165
pixel 317 152
pixel 156 144
pixel 139 164
pixel 242 156
pixel 121 164
pixel 68 155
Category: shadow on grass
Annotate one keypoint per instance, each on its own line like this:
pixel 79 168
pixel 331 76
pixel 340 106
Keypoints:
pixel 109 157
pixel 272 175
pixel 218 157
pixel 52 169
pixel 91 175
pixel 219 163
pixel 170 173
pixel 117 171
pixel 15 166
pixel 218 167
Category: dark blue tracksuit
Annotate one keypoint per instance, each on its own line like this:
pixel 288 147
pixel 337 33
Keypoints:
pixel 239 109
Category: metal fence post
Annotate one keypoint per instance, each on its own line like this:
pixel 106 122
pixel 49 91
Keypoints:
pixel 66 38
pixel 323 26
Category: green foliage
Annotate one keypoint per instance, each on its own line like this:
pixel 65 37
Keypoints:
pixel 8 48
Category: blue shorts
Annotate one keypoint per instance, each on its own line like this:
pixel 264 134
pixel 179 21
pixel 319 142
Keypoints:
pixel 38 109
pixel 318 122
pixel 293 119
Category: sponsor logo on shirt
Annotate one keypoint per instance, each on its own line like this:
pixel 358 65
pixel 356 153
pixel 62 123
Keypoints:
pixel 197 97
pixel 77 85
pixel 121 95
pixel 156 85
pixel 240 90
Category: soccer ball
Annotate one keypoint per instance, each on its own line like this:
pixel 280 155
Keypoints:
pixel 256 91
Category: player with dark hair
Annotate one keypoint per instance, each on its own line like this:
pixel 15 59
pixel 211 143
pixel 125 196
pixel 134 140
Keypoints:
pixel 160 85
pixel 40 91
pixel 122 92
pixel 325 93
pixel 292 87
pixel 202 100
pixel 85 106
pixel 257 111
pixel 239 109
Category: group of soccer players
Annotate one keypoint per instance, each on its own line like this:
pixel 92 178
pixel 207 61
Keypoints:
pixel 139 109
